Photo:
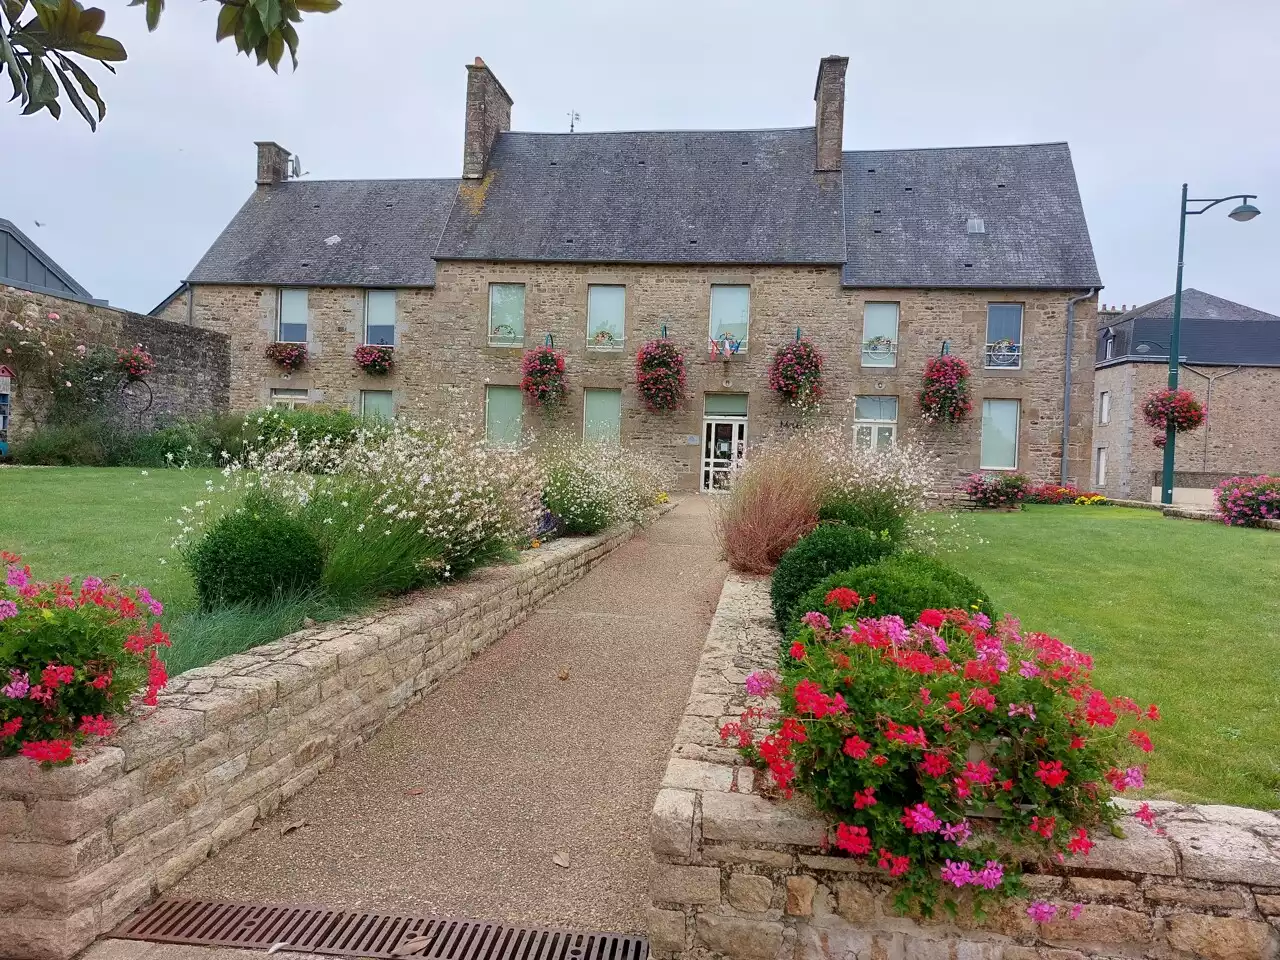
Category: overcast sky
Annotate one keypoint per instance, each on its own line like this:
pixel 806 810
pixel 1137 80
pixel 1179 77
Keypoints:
pixel 1148 93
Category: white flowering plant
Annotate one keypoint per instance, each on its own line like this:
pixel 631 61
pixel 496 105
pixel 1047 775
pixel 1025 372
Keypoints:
pixel 592 485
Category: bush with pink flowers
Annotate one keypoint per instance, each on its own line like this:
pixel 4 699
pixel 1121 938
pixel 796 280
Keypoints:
pixel 944 394
pixel 795 374
pixel 542 378
pixel 1247 501
pixel 660 375
pixel 994 490
pixel 72 659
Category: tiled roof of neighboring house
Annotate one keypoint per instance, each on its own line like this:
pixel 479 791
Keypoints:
pixel 24 264
pixel 733 196
pixel 365 233
pixel 1213 332
pixel 908 214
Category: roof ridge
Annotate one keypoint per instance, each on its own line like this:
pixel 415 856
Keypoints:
pixel 288 183
pixel 976 146
pixel 613 133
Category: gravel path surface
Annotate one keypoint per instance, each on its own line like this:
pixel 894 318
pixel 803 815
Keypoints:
pixel 459 807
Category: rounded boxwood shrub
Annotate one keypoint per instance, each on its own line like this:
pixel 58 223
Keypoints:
pixel 253 555
pixel 828 549
pixel 869 510
pixel 903 585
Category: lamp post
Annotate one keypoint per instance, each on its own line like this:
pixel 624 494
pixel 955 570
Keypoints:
pixel 1243 212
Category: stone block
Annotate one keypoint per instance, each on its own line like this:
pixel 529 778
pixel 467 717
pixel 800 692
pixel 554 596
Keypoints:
pixel 13 818
pixel 1099 923
pixel 179 865
pixel 165 731
pixel 1225 852
pixel 68 820
pixel 752 819
pixel 154 813
pixel 58 939
pixel 58 860
pixel 800 891
pixel 213 746
pixel 220 778
pixel 855 902
pixel 1195 897
pixel 669 883
pixel 1269 904
pixel 234 826
pixel 671 827
pixel 1221 938
pixel 1094 888
pixel 20 777
pixel 666 930
pixel 738 938
pixel 161 772
pixel 742 853
pixel 697 775
pixel 749 893
pixel 64 899
pixel 1140 851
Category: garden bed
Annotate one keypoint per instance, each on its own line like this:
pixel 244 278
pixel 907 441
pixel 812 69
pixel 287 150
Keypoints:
pixel 82 846
pixel 743 876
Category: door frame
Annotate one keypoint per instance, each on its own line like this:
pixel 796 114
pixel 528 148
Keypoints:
pixel 710 465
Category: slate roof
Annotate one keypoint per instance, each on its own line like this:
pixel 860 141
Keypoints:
pixel 920 201
pixel 1214 332
pixel 387 231
pixel 24 264
pixel 734 196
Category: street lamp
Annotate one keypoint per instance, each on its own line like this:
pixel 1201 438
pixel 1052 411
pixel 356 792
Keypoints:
pixel 1242 213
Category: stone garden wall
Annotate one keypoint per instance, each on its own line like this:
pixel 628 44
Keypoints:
pixel 83 846
pixel 740 875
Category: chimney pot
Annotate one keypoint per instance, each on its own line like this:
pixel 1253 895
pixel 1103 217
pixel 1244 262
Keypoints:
pixel 488 114
pixel 273 163
pixel 828 95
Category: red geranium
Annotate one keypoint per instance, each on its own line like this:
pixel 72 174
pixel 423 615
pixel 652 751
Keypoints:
pixel 660 376
pixel 944 397
pixel 796 373
pixel 1175 407
pixel 543 377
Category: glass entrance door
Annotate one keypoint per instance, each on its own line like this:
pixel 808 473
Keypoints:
pixel 724 441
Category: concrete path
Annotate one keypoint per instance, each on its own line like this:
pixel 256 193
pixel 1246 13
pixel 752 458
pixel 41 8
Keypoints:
pixel 459 807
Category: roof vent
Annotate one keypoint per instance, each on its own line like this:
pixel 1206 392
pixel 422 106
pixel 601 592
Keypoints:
pixel 908 189
pixel 693 241
pixel 871 169
pixel 977 225
pixel 877 231
pixel 877 210
pixel 999 186
pixel 968 264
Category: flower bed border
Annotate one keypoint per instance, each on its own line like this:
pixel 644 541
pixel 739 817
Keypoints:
pixel 83 846
pixel 746 877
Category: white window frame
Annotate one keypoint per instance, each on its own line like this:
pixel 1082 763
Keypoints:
pixel 289 398
pixel 1005 359
pixel 1017 429
pixel 364 394
pixel 524 324
pixel 1109 348
pixel 614 345
pixel 1104 407
pixel 711 317
pixel 1100 470
pixel 306 322
pixel 875 425
pixel 893 342
pixel 395 318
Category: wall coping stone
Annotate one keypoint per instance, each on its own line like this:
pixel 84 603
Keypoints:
pixel 1205 882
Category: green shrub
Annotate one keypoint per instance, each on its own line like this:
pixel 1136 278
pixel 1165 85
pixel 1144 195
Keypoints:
pixel 64 445
pixel 829 549
pixel 581 505
pixel 903 585
pixel 254 554
pixel 269 428
pixel 878 510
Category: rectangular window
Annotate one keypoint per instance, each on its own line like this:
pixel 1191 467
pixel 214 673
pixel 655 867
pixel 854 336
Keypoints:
pixel 880 335
pixel 875 422
pixel 602 416
pixel 725 404
pixel 289 398
pixel 999 435
pixel 376 405
pixel 1104 407
pixel 506 314
pixel 1101 475
pixel 292 316
pixel 730 314
pixel 503 407
pixel 1004 335
pixel 380 317
pixel 606 307
pixel 1109 348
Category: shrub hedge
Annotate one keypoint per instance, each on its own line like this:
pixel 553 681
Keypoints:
pixel 876 510
pixel 828 549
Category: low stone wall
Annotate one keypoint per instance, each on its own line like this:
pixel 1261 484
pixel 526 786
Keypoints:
pixel 742 876
pixel 83 846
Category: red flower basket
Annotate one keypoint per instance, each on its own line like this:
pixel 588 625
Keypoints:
pixel 287 356
pixel 135 363
pixel 1178 408
pixel 542 377
pixel 796 373
pixel 944 397
pixel 376 360
pixel 660 376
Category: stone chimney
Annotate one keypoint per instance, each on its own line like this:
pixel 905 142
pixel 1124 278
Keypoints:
pixel 273 163
pixel 829 121
pixel 488 114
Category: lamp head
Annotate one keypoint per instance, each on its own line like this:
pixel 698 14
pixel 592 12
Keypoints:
pixel 1143 348
pixel 1244 213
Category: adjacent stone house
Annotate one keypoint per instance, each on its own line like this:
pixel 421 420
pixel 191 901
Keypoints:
pixel 1230 358
pixel 600 242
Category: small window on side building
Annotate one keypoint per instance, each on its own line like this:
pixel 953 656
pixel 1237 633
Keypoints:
pixel 291 314
pixel 880 335
pixel 875 422
pixel 380 317
pixel 376 405
pixel 606 315
pixel 1104 406
pixel 290 398
pixel 506 314
pixel 1004 336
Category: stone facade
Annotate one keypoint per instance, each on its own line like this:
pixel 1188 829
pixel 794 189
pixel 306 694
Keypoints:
pixel 83 846
pixel 748 878
pixel 443 361
pixel 193 366
pixel 1239 436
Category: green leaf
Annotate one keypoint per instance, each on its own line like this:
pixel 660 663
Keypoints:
pixel 99 47
pixel 76 100
pixel 268 12
pixel 228 20
pixel 17 73
pixel 87 85
pixel 275 50
pixel 318 6
pixel 154 9
pixel 13 9
pixel 251 32
pixel 291 38
pixel 91 20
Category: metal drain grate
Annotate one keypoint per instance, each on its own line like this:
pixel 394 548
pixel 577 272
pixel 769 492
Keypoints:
pixel 346 933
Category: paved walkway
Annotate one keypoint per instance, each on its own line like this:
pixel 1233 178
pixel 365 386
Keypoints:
pixel 459 807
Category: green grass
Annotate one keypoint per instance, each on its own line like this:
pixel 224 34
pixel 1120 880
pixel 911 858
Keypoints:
pixel 1176 612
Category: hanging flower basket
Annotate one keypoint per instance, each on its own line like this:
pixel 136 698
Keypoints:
pixel 542 377
pixel 375 359
pixel 1173 407
pixel 796 373
pixel 135 363
pixel 287 356
pixel 660 377
pixel 944 398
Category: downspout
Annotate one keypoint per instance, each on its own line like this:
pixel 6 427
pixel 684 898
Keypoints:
pixel 1066 380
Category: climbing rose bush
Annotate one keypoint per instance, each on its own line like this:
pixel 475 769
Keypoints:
pixel 1246 501
pixel 542 377
pixel 934 746
pixel 796 373
pixel 135 363
pixel 944 397
pixel 660 375
pixel 1180 407
pixel 72 659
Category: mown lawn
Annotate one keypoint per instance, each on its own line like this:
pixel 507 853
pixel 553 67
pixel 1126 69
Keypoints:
pixel 1175 612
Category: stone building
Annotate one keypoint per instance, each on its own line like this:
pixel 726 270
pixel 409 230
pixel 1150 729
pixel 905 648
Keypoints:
pixel 1230 358
pixel 603 241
